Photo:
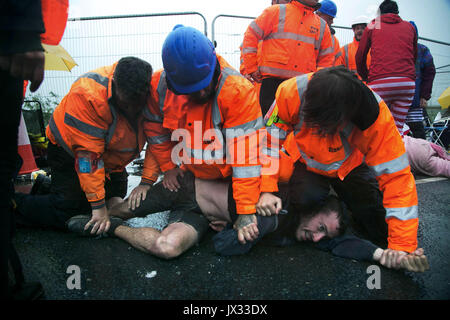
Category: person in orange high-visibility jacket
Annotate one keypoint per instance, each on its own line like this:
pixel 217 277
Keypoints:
pixel 94 132
pixel 327 12
pixel 346 55
pixel 202 100
pixel 295 41
pixel 343 134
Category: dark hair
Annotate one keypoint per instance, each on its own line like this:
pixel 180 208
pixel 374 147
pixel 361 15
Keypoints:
pixel 333 97
pixel 388 6
pixel 331 204
pixel 133 76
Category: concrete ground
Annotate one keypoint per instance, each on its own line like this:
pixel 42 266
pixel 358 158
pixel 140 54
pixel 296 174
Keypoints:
pixel 112 269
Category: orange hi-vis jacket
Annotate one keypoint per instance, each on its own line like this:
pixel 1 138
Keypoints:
pixel 218 139
pixel 346 56
pixel 295 41
pixel 54 14
pixel 87 120
pixel 378 144
pixel 336 46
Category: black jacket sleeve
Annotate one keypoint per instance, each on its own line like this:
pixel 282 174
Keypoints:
pixel 349 246
pixel 21 25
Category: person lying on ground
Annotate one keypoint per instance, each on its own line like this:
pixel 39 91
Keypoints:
pixel 426 157
pixel 199 203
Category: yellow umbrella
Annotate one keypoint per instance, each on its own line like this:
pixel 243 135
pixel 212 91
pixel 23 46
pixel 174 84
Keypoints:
pixel 57 58
pixel 444 99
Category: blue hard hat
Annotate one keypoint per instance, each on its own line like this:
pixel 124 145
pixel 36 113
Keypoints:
pixel 189 59
pixel 328 7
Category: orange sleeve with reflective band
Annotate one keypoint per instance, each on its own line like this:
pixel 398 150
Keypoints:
pixel 286 109
pixel 340 60
pixel 255 33
pixel 78 108
pixel 391 167
pixel 327 53
pixel 151 170
pixel 159 141
pixel 242 124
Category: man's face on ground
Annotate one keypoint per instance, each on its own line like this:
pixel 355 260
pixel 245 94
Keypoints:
pixel 358 30
pixel 317 227
pixel 202 96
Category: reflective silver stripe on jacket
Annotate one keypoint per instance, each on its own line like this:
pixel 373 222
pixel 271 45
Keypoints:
pixel 326 51
pixel 271 152
pixel 244 129
pixel 277 132
pixel 403 213
pixel 247 172
pixel 151 116
pixel 318 42
pixel 392 166
pixel 302 84
pixel 249 50
pixel 58 137
pixel 205 155
pixel 281 17
pixel 162 91
pixel 84 127
pixel 113 125
pixel 280 72
pixel 328 167
pixel 346 56
pixel 291 36
pixel 259 32
pixel 104 81
pixel 159 139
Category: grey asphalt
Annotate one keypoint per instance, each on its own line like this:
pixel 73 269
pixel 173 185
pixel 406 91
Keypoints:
pixel 112 269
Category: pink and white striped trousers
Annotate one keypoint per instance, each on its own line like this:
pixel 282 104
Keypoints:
pixel 398 93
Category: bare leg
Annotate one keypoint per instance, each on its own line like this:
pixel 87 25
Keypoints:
pixel 167 244
pixel 121 210
pixel 114 201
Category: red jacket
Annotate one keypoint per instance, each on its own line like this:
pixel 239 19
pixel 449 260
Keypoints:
pixel 393 45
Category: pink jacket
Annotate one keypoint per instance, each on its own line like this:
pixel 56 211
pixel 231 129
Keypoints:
pixel 426 157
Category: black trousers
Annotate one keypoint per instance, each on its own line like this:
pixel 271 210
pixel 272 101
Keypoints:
pixel 359 191
pixel 417 129
pixel 66 198
pixel 267 92
pixel 11 93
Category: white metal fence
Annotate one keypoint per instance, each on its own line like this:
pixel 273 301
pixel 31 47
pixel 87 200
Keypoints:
pixel 98 41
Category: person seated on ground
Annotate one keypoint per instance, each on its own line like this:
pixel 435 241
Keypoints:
pixel 94 132
pixel 199 203
pixel 426 157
